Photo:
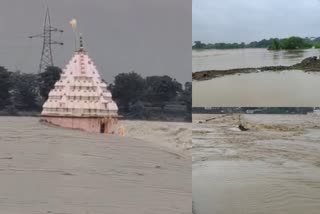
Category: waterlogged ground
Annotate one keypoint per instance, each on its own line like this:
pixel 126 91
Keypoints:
pixel 52 170
pixel 245 58
pixel 272 168
pixel 268 88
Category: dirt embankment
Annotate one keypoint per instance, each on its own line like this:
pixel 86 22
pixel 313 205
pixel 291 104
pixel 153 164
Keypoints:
pixel 310 64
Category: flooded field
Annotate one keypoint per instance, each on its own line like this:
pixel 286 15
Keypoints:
pixel 268 88
pixel 272 168
pixel 285 88
pixel 244 58
pixel 52 170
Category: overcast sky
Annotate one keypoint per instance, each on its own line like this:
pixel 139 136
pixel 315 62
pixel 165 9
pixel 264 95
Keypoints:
pixel 151 37
pixel 249 20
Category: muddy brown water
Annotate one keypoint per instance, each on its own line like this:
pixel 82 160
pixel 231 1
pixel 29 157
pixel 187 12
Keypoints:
pixel 243 187
pixel 47 169
pixel 261 171
pixel 286 88
pixel 244 58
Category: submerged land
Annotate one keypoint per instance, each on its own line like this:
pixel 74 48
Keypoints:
pixel 310 64
pixel 269 165
pixel 46 169
pixel 287 137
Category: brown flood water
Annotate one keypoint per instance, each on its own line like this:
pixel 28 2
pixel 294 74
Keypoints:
pixel 244 58
pixel 286 88
pixel 243 187
pixel 273 168
pixel 59 171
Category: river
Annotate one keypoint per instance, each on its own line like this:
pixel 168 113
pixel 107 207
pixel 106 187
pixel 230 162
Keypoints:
pixel 52 170
pixel 286 88
pixel 272 168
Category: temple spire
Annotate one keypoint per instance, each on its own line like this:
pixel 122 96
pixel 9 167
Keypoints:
pixel 81 43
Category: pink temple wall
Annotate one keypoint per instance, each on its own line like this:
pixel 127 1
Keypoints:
pixel 83 123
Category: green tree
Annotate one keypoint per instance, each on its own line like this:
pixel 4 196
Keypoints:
pixel 161 89
pixel 275 45
pixel 127 89
pixel 5 86
pixel 25 92
pixel 47 80
pixel 294 43
pixel 199 45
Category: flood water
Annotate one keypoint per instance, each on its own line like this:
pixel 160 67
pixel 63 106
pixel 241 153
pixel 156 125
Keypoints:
pixel 45 169
pixel 263 171
pixel 244 58
pixel 244 187
pixel 286 88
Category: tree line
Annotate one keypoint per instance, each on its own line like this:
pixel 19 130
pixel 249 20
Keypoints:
pixel 134 94
pixel 22 92
pixel 291 43
pixel 272 44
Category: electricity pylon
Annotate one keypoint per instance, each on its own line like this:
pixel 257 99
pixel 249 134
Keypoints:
pixel 46 55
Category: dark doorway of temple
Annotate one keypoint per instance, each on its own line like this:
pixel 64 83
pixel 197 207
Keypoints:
pixel 102 127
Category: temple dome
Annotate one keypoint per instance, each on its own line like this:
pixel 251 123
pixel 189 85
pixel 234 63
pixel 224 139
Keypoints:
pixel 80 91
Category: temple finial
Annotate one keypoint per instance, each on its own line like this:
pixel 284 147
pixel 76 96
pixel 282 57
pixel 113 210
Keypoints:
pixel 81 43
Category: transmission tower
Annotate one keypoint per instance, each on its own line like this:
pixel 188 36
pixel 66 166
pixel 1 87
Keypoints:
pixel 46 55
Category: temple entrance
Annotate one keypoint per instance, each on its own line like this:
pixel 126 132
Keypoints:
pixel 102 127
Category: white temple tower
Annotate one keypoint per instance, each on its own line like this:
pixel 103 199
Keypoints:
pixel 80 99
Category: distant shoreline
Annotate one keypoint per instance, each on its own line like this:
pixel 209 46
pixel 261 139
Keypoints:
pixel 265 48
pixel 246 48
pixel 290 43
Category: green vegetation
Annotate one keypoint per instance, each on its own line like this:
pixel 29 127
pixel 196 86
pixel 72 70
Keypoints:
pixel 256 44
pixel 127 89
pixel 5 86
pixel 161 90
pixel 47 81
pixel 135 95
pixel 289 44
pixel 200 45
pixel 140 97
pixel 20 92
pixel 276 45
pixel 272 44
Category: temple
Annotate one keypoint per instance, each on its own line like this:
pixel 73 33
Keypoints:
pixel 80 98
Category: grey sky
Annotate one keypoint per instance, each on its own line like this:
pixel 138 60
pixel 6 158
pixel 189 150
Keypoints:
pixel 249 20
pixel 151 37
